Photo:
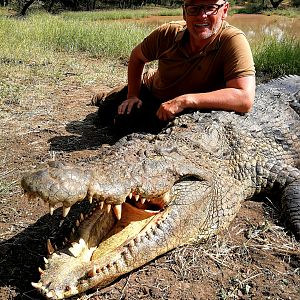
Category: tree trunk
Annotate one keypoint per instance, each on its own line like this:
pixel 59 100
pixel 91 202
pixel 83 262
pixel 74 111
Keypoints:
pixel 275 4
pixel 25 7
pixel 51 5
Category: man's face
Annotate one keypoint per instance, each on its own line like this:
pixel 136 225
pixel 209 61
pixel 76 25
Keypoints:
pixel 203 22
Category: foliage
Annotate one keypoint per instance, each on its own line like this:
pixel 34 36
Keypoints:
pixel 80 5
pixel 275 58
pixel 295 3
pixel 288 12
pixel 42 33
pixel 42 36
pixel 251 6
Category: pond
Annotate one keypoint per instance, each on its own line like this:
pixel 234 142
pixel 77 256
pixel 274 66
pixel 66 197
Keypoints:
pixel 254 26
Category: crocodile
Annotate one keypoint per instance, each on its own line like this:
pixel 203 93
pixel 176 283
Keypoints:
pixel 151 193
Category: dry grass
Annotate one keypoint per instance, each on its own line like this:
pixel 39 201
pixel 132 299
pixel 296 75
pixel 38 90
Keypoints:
pixel 44 115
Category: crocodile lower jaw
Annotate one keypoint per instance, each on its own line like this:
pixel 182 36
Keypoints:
pixel 89 260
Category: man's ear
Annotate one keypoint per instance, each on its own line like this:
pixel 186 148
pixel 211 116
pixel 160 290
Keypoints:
pixel 225 10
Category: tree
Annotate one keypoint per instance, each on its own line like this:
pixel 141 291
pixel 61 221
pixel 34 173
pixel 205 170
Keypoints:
pixel 275 4
pixel 25 7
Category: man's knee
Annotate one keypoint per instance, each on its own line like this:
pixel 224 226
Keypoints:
pixel 108 105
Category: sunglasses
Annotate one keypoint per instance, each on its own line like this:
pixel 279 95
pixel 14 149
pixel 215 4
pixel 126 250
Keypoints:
pixel 194 10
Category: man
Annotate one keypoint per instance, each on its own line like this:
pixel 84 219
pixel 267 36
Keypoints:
pixel 203 63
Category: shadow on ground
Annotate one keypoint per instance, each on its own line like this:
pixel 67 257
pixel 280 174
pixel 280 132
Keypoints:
pixel 23 254
pixel 86 135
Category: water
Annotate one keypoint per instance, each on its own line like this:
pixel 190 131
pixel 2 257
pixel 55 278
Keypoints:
pixel 254 26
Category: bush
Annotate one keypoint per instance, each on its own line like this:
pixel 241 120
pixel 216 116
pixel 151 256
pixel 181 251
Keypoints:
pixel 275 58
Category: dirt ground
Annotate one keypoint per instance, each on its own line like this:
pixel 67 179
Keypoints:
pixel 48 118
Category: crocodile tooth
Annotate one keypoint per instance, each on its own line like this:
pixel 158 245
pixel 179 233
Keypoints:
pixel 66 210
pixel 77 248
pixel 77 223
pixel 59 295
pixel 90 197
pixel 131 243
pixel 49 247
pixel 50 294
pixel 108 207
pixel 92 272
pixel 83 281
pixel 51 209
pixel 81 217
pixel 45 260
pixel 166 197
pixel 41 270
pixel 101 204
pixel 137 240
pixel 137 197
pixel 130 195
pixel 37 285
pixel 55 255
pixel 143 200
pixel 118 211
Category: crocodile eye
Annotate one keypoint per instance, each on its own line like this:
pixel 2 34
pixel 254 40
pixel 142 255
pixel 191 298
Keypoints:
pixel 190 178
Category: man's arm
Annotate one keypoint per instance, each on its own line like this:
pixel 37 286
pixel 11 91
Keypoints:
pixel 238 96
pixel 135 70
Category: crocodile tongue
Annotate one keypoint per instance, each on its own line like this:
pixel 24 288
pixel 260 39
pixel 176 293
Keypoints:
pixel 101 231
pixel 65 268
pixel 131 224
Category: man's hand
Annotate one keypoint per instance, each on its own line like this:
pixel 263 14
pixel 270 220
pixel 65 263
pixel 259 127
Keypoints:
pixel 168 110
pixel 127 105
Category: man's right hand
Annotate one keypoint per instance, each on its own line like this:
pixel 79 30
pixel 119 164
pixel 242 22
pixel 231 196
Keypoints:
pixel 127 105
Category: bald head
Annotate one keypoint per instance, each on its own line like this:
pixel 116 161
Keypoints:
pixel 203 1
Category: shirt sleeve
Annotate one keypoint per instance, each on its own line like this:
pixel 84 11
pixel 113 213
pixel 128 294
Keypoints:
pixel 158 41
pixel 238 59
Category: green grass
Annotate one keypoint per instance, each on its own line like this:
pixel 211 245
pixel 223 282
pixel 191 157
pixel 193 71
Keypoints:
pixel 41 37
pixel 291 12
pixel 276 58
pixel 251 8
pixel 120 14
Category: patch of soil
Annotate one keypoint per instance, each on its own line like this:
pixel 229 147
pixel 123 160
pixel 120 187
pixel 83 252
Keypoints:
pixel 253 259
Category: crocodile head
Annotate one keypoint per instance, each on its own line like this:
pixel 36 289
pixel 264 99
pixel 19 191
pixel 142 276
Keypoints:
pixel 143 204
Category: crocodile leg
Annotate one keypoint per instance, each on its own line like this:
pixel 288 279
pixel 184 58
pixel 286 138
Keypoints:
pixel 291 206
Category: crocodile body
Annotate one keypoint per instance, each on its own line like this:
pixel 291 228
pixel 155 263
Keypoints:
pixel 153 193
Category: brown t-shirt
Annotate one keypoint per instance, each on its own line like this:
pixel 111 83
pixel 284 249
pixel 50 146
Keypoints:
pixel 226 57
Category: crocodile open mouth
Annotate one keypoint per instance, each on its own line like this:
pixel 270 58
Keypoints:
pixel 137 215
pixel 113 224
pixel 99 238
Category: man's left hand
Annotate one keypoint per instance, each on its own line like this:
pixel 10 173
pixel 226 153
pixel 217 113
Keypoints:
pixel 168 110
